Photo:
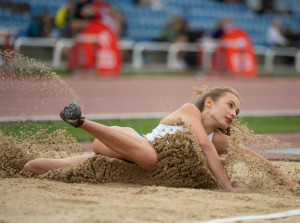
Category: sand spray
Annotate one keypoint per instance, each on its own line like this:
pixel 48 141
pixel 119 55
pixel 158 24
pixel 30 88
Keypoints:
pixel 24 84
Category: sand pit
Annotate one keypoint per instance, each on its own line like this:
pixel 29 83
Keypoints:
pixel 36 200
pixel 180 189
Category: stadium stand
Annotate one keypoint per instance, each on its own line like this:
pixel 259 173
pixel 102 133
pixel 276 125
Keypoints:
pixel 146 23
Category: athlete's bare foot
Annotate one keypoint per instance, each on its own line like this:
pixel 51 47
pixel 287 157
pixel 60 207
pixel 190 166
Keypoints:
pixel 72 115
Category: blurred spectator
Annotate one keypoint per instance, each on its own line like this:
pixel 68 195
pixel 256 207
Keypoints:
pixel 81 5
pixel 109 15
pixel 34 28
pixel 47 25
pixel 255 6
pixel 275 35
pixel 265 6
pixel 297 37
pixel 290 36
pixel 116 21
pixel 81 19
pixel 223 26
pixel 97 9
pixel 191 58
pixel 63 18
pixel 293 37
pixel 154 4
pixel 231 1
pixel 87 11
pixel 42 26
pixel 175 30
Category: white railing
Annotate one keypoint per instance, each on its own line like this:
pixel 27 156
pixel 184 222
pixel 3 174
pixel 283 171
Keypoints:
pixel 174 50
pixel 139 48
pixel 38 42
pixel 271 53
pixel 58 49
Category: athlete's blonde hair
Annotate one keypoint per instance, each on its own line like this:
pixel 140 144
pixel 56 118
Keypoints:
pixel 214 93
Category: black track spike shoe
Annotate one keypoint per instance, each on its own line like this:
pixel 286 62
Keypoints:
pixel 72 115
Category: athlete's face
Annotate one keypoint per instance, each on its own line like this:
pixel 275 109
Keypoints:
pixel 225 110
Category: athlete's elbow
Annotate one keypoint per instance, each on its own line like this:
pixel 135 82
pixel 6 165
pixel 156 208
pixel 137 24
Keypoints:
pixel 205 144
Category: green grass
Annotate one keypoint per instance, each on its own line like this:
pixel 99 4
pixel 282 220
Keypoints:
pixel 259 125
pixel 271 125
pixel 28 129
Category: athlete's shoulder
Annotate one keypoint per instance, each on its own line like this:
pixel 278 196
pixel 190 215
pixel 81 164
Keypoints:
pixel 189 112
pixel 189 107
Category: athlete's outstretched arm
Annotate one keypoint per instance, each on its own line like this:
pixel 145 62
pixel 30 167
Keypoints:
pixel 192 117
pixel 273 169
pixel 221 143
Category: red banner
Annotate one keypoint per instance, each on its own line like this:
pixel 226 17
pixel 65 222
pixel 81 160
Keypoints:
pixel 236 54
pixel 96 47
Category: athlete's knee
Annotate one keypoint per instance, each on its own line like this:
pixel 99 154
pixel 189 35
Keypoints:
pixel 35 166
pixel 95 146
pixel 148 160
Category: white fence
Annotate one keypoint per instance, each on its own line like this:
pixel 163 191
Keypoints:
pixel 139 48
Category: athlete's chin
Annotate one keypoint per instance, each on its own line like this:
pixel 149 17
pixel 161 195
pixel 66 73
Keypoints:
pixel 223 126
pixel 226 125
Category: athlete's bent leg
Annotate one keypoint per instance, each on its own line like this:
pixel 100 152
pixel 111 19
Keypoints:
pixel 124 141
pixel 100 148
pixel 43 165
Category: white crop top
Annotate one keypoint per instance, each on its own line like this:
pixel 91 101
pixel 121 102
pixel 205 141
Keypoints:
pixel 163 129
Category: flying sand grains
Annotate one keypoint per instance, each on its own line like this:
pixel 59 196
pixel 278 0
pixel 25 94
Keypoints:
pixel 25 84
pixel 248 171
pixel 31 86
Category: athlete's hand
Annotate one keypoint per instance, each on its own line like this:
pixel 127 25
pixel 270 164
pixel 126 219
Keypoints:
pixel 237 190
pixel 289 183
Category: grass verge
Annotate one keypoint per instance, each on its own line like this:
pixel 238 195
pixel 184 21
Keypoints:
pixel 261 125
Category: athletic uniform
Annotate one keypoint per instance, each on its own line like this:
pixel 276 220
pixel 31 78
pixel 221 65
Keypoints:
pixel 163 129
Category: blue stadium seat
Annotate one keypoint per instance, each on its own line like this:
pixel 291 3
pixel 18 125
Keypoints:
pixel 144 23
